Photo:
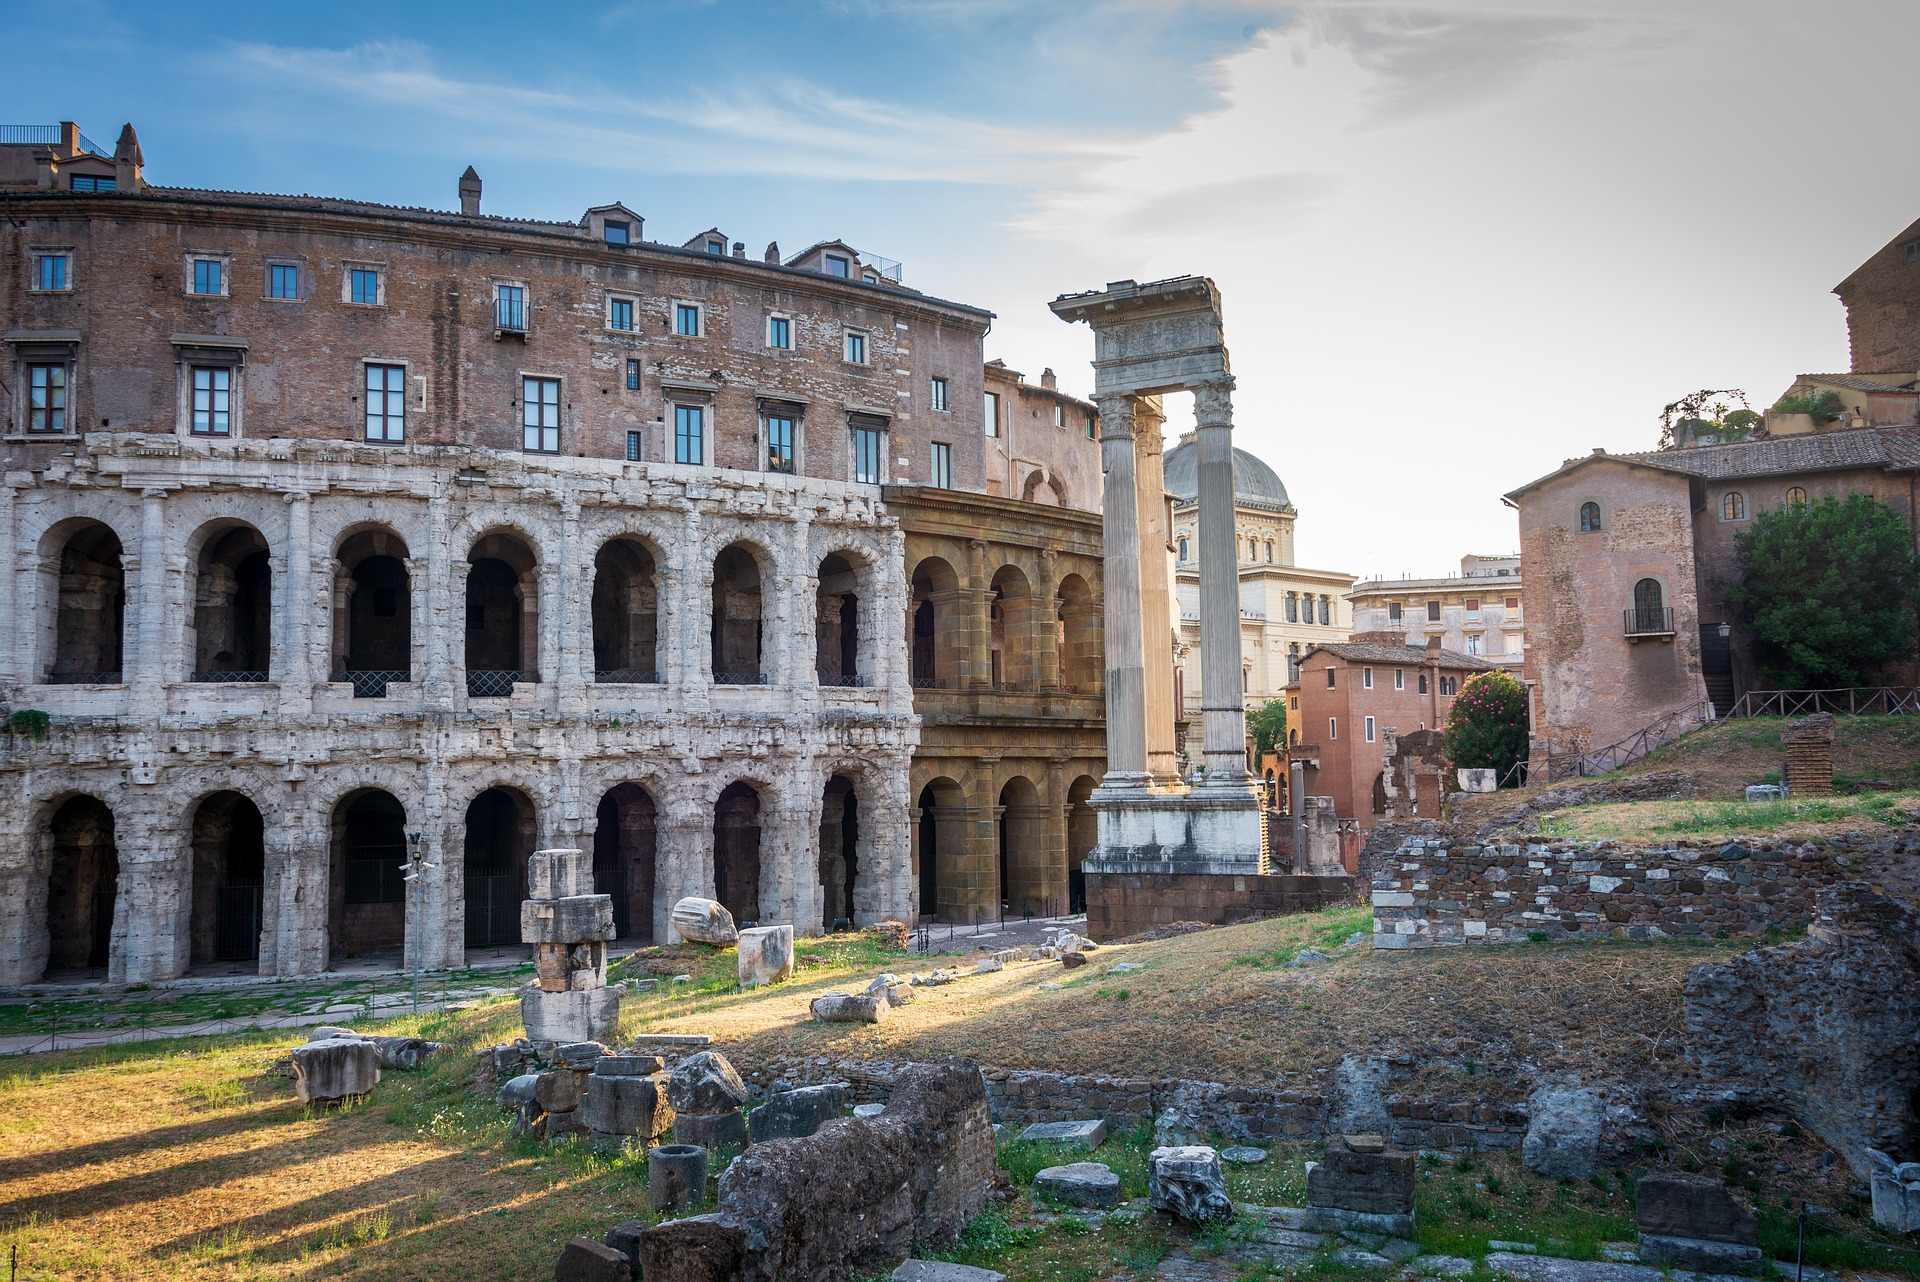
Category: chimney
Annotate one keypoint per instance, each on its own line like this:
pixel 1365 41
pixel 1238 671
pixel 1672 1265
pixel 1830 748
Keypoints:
pixel 470 192
pixel 773 252
pixel 1433 649
pixel 44 167
pixel 69 140
pixel 128 162
pixel 739 249
pixel 1048 381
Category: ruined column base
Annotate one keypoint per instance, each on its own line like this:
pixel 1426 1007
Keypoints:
pixel 579 1015
pixel 1202 831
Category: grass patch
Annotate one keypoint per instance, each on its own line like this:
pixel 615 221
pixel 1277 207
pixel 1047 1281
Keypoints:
pixel 1793 817
pixel 1326 930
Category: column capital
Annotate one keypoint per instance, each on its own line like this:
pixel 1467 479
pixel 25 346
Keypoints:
pixel 1116 417
pixel 1213 402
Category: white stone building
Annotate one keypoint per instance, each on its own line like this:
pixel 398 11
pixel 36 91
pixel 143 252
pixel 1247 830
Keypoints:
pixel 1476 612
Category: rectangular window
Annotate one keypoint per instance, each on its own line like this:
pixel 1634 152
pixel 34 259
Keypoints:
pixel 1366 678
pixel 92 182
pixel 386 403
pixel 689 434
pixel 856 347
pixel 838 266
pixel 283 280
pixel 686 320
pixel 208 276
pixel 1399 679
pixel 993 413
pixel 1473 609
pixel 47 399
pixel 779 444
pixel 1393 612
pixel 1513 606
pixel 718 247
pixel 1433 612
pixel 633 447
pixel 1326 612
pixel 363 286
pixel 1330 678
pixel 540 415
pixel 1092 435
pixel 869 455
pixel 1423 683
pixel 212 401
pixel 1369 729
pixel 619 313
pixel 1333 727
pixel 633 376
pixel 780 333
pixel 52 273
pixel 510 307
pixel 1059 416
pixel 940 401
pixel 617 231
pixel 1473 643
pixel 942 465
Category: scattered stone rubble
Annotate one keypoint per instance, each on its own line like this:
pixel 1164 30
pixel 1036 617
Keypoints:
pixel 1360 1183
pixel 1563 1131
pixel 1188 1182
pixel 1896 1193
pixel 338 1064
pixel 1693 1222
pixel 765 955
pixel 569 926
pixel 704 921
pixel 706 1094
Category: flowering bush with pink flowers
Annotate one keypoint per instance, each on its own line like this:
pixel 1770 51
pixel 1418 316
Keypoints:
pixel 1487 724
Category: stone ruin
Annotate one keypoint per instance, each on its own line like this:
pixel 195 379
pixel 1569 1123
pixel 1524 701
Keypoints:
pixel 568 925
pixel 611 1102
pixel 1809 745
pixel 337 1064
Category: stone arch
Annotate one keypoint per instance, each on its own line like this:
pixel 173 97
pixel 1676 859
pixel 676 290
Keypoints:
pixel 940 849
pixel 1013 616
pixel 366 890
pixel 502 608
pixel 1083 835
pixel 839 848
pixel 498 837
pixel 84 582
pixel 1077 635
pixel 625 857
pixel 83 877
pixel 372 610
pixel 228 879
pixel 626 611
pixel 232 619
pixel 936 624
pixel 1023 856
pixel 738 621
pixel 737 871
pixel 1045 488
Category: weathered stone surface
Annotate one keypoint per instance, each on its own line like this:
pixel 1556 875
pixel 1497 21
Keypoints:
pixel 1359 1173
pixel 705 1083
pixel 711 1130
pixel 559 874
pixel 1547 1268
pixel 404 1053
pixel 1360 1094
pixel 676 1177
pixel 582 1057
pixel 1089 1135
pixel 1895 1189
pixel 941 1271
pixel 635 1106
pixel 847 1008
pixel 796 1113
pixel 1242 1155
pixel 337 1069
pixel 579 1015
pixel 1440 1266
pixel 562 1126
pixel 1188 1182
pixel 1676 1204
pixel 988 965
pixel 1828 1026
pixel 1563 1131
pixel 895 989
pixel 864 1111
pixel 558 1090
pixel 1079 1184
pixel 585 1260
pixel 516 1091
pixel 1701 1255
pixel 705 921
pixel 1072 961
pixel 627 1065
pixel 624 1237
pixel 766 955
pixel 566 921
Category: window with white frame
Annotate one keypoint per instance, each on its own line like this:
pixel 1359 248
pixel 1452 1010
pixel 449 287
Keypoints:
pixel 283 281
pixel 780 443
pixel 540 414
pixel 993 414
pixel 942 471
pixel 1333 727
pixel 1366 678
pixel 510 307
pixel 1369 729
pixel 940 401
pixel 46 398
pixel 686 320
pixel 690 434
pixel 620 313
pixel 52 272
pixel 1059 415
pixel 1330 679
pixel 386 403
pixel 1399 679
pixel 212 400
pixel 207 276
pixel 366 285
pixel 856 349
pixel 780 333
pixel 1473 643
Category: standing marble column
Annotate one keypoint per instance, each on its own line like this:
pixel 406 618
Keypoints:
pixel 1156 590
pixel 1222 708
pixel 150 664
pixel 296 665
pixel 1120 531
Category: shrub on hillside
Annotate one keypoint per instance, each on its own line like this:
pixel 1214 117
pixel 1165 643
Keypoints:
pixel 1487 724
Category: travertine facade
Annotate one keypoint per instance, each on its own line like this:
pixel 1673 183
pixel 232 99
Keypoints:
pixel 1478 612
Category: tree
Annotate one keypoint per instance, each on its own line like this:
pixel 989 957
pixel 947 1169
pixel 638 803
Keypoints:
pixel 1487 724
pixel 1703 412
pixel 1828 591
pixel 1268 724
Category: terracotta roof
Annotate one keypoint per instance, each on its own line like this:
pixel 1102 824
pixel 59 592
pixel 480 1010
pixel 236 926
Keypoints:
pixel 1815 452
pixel 334 204
pixel 1855 383
pixel 1410 655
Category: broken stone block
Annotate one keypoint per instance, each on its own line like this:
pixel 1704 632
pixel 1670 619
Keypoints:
pixel 1188 1182
pixel 624 1237
pixel 1361 1183
pixel 1896 1193
pixel 1563 1132
pixel 1079 1184
pixel 766 955
pixel 516 1091
pixel 573 1016
pixel 676 1177
pixel 705 1083
pixel 1089 1135
pixel 711 1130
pixel 987 965
pixel 561 1126
pixel 897 991
pixel 635 1106
pixel 866 1112
pixel 566 921
pixel 581 1057
pixel 405 1053
pixel 627 1065
pixel 559 874
pixel 845 1008
pixel 1676 1204
pixel 1072 961
pixel 558 1090
pixel 1701 1255
pixel 337 1069
pixel 1242 1155
pixel 941 1271
pixel 796 1114
pixel 585 1260
pixel 704 921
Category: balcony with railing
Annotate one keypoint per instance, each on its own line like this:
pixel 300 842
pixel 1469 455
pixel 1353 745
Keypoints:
pixel 510 315
pixel 493 685
pixel 373 684
pixel 1649 624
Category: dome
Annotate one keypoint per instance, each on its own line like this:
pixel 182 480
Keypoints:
pixel 1253 481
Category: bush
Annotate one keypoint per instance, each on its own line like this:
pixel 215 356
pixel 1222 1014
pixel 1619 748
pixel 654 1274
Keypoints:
pixel 1487 724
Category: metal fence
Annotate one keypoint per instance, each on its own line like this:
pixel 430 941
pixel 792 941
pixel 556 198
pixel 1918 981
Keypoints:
pixel 1853 701
pixel 373 684
pixel 490 685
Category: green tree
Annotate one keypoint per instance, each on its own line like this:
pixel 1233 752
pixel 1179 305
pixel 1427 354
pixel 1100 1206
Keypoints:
pixel 1268 723
pixel 1828 591
pixel 1487 724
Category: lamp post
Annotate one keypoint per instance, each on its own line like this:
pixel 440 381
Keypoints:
pixel 415 877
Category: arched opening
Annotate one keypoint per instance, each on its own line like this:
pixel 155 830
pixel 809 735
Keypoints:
pixel 372 613
pixel 82 885
pixel 839 857
pixel 1077 634
pixel 736 852
pixel 1083 834
pixel 503 615
pixel 1380 793
pixel 233 608
pixel 626 613
pixel 499 839
pixel 1649 614
pixel 936 641
pixel 1589 517
pixel 229 876
pixel 736 618
pixel 836 626
pixel 1011 615
pixel 1023 851
pixel 625 837
pixel 367 901
pixel 939 852
pixel 90 609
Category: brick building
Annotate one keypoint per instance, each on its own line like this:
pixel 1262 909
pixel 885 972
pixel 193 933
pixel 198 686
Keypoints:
pixel 344 533
pixel 1351 696
pixel 1476 612
pixel 1042 444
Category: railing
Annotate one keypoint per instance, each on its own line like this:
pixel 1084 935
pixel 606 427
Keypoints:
pixel 926 683
pixel 510 313
pixel 83 678
pixel 1649 623
pixel 1852 701
pixel 221 677
pixel 44 135
pixel 850 683
pixel 1599 761
pixel 739 678
pixel 626 677
pixel 372 684
pixel 491 685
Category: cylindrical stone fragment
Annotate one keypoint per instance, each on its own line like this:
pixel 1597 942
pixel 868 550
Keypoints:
pixel 676 1177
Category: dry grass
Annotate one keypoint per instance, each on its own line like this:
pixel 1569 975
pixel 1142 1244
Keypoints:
pixel 1796 818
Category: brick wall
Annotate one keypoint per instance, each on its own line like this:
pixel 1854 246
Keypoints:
pixel 1123 904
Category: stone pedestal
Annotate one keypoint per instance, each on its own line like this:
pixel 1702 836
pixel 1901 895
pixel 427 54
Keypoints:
pixel 1213 830
pixel 568 925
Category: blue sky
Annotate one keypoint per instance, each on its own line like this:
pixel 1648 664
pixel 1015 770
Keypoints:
pixel 1457 242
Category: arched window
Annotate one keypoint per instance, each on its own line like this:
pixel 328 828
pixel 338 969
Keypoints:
pixel 1269 551
pixel 1796 497
pixel 1253 550
pixel 1589 517
pixel 1649 613
pixel 1734 506
pixel 1183 549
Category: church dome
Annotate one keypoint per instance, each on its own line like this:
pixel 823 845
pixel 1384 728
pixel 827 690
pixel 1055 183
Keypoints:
pixel 1253 481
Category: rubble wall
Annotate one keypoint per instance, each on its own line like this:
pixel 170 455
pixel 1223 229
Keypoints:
pixel 1124 904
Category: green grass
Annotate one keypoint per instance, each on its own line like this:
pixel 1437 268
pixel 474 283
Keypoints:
pixel 1713 820
pixel 1325 930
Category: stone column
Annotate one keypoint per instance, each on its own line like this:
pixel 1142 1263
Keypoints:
pixel 979 624
pixel 1223 710
pixel 573 627
pixel 14 664
pixel 296 654
pixel 150 666
pixel 436 634
pixel 537 643
pixel 1120 530
pixel 1058 856
pixel 1156 592
pixel 683 864
pixel 298 893
pixel 1046 625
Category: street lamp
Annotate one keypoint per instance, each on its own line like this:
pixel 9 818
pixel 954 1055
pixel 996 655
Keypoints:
pixel 415 876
